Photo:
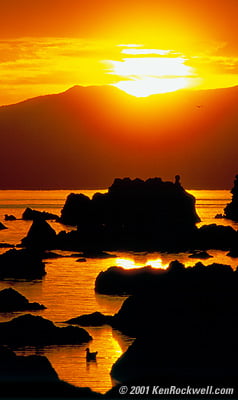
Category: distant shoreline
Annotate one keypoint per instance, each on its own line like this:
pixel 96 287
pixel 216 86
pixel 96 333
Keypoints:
pixel 93 189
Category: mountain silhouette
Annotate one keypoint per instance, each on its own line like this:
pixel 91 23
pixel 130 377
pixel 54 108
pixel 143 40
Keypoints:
pixel 86 136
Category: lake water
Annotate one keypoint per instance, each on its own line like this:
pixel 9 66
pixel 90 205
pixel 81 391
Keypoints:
pixel 68 288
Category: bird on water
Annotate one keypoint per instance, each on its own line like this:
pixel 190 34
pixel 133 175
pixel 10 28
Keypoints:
pixel 91 356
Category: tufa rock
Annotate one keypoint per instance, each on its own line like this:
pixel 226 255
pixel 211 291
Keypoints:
pixel 2 226
pixel 11 300
pixel 185 324
pixel 231 210
pixel 34 330
pixel 94 319
pixel 31 215
pixel 9 217
pixel 134 214
pixel 29 377
pixel 21 264
pixel 40 235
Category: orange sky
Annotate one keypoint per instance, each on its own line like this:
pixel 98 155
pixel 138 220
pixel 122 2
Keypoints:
pixel 49 46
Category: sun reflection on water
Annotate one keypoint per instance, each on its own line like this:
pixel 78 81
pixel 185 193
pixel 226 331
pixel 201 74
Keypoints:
pixel 128 263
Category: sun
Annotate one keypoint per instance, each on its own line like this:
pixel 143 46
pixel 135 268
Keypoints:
pixel 145 87
pixel 151 71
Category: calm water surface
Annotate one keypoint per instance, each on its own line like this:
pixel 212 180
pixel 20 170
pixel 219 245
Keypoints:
pixel 68 288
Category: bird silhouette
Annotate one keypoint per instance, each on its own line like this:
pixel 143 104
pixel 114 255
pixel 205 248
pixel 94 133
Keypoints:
pixel 91 356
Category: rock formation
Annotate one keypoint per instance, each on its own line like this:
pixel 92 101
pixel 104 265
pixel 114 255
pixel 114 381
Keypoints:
pixel 31 215
pixel 202 255
pixel 29 377
pixel 2 226
pixel 21 264
pixel 215 237
pixel 134 214
pixel 120 281
pixel 231 210
pixel 9 217
pixel 94 319
pixel 34 330
pixel 11 300
pixel 185 323
pixel 6 245
pixel 40 236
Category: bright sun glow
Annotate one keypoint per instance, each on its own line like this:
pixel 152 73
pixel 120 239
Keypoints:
pixel 129 263
pixel 152 66
pixel 145 74
pixel 147 86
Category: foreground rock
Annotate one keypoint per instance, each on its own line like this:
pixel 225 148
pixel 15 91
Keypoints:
pixel 34 330
pixel 231 210
pixel 94 319
pixel 31 215
pixel 21 264
pixel 34 377
pixel 11 300
pixel 186 325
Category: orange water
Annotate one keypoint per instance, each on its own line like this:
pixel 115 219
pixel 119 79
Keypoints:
pixel 68 288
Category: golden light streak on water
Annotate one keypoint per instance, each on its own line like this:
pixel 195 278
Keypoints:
pixel 129 263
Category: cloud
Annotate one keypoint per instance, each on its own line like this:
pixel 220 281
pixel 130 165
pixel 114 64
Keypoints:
pixel 217 64
pixel 69 60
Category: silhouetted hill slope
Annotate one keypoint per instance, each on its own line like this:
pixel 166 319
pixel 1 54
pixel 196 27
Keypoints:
pixel 85 137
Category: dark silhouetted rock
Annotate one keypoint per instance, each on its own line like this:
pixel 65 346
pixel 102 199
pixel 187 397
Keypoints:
pixel 2 226
pixel 35 330
pixel 94 319
pixel 185 323
pixel 220 216
pixel 11 300
pixel 40 236
pixel 97 254
pixel 134 214
pixel 31 215
pixel 200 255
pixel 70 241
pixel 9 217
pixel 51 255
pixel 149 215
pixel 120 281
pixel 21 264
pixel 231 210
pixel 34 377
pixel 216 237
pixel 76 209
pixel 6 245
pixel 36 368
pixel 233 252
